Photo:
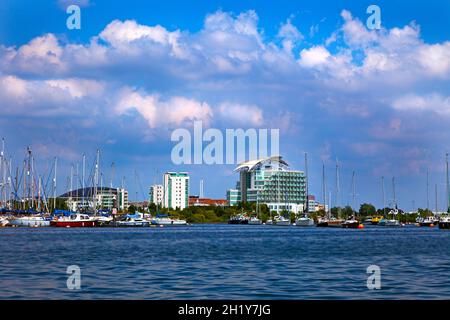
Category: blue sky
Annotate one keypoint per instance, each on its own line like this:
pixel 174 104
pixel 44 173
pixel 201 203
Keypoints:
pixel 379 101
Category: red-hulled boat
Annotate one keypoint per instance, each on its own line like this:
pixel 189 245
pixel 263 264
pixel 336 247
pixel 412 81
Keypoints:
pixel 74 221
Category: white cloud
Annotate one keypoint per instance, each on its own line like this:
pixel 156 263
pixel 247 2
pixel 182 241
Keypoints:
pixel 242 114
pixel 313 57
pixel 435 103
pixel 159 113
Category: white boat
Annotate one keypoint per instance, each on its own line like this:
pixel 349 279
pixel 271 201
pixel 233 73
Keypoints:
pixel 38 221
pixel 389 223
pixel 164 220
pixel 254 221
pixel 3 222
pixel 269 222
pixel 130 221
pixel 281 221
pixel 304 221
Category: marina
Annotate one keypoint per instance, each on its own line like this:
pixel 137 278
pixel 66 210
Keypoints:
pixel 215 261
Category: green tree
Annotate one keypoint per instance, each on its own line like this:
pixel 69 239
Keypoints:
pixel 367 209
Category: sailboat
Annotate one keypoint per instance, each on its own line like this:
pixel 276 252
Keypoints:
pixel 385 221
pixel 255 220
pixel 444 221
pixel 328 220
pixel 304 220
pixel 352 222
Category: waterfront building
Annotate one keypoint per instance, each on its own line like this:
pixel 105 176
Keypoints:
pixel 176 190
pixel 197 201
pixel 156 194
pixel 270 181
pixel 102 198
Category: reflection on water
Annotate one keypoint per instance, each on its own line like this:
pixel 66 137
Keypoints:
pixel 225 262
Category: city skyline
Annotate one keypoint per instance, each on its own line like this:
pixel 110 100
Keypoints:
pixel 378 101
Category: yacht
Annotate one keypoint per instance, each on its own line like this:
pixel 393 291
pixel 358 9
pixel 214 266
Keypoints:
pixel 30 221
pixel 304 221
pixel 427 222
pixel 351 223
pixel 130 221
pixel 238 219
pixel 444 222
pixel 76 220
pixel 3 222
pixel 254 221
pixel 165 220
pixel 281 221
pixel 386 222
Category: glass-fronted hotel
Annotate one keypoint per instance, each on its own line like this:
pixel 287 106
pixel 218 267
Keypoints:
pixel 270 181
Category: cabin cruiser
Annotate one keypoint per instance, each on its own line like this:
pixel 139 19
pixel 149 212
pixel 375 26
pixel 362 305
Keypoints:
pixel 30 221
pixel 238 219
pixel 351 223
pixel 76 220
pixel 304 221
pixel 332 222
pixel 281 221
pixel 3 222
pixel 389 223
pixel 130 220
pixel 254 221
pixel 427 222
pixel 444 222
pixel 165 220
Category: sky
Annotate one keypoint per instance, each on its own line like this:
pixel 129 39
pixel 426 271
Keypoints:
pixel 376 100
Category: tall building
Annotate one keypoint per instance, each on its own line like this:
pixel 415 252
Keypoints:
pixel 156 194
pixel 102 198
pixel 270 181
pixel 176 190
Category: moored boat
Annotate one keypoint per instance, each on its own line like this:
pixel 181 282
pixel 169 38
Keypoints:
pixel 254 221
pixel 130 221
pixel 165 220
pixel 444 223
pixel 77 220
pixel 30 221
pixel 238 219
pixel 304 221
pixel 351 223
pixel 281 221
pixel 427 222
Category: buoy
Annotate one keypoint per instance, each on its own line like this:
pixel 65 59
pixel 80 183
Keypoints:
pixel 360 226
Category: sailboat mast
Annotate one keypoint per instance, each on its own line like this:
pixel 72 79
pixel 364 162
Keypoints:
pixel 428 198
pixel 307 183
pixel 324 187
pixel 447 183
pixel 436 197
pixel 383 195
pixel 54 184
pixel 353 191
pixel 83 181
pixel 393 190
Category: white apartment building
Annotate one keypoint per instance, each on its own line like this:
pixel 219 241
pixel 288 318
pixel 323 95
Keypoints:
pixel 156 194
pixel 176 190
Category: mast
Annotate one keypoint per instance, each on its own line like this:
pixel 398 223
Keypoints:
pixel 324 189
pixel 436 197
pixel 83 181
pixel 96 177
pixel 383 195
pixel 54 184
pixel 111 185
pixel 353 190
pixel 2 181
pixel 447 183
pixel 307 183
pixel 393 191
pixel 428 199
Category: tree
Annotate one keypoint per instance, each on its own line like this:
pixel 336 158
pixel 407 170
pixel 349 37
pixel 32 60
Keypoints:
pixel 367 209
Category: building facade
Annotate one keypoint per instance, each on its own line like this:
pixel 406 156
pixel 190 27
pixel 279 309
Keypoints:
pixel 176 190
pixel 100 198
pixel 271 182
pixel 156 194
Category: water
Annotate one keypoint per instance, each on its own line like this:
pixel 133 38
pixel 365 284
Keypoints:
pixel 225 262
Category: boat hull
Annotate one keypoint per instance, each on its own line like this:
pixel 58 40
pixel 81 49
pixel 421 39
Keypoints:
pixel 73 224
pixel 350 225
pixel 255 222
pixel 444 225
pixel 282 223
pixel 29 223
pixel 304 223
pixel 128 224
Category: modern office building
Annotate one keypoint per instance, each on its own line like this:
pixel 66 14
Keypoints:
pixel 156 194
pixel 270 181
pixel 101 198
pixel 176 190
